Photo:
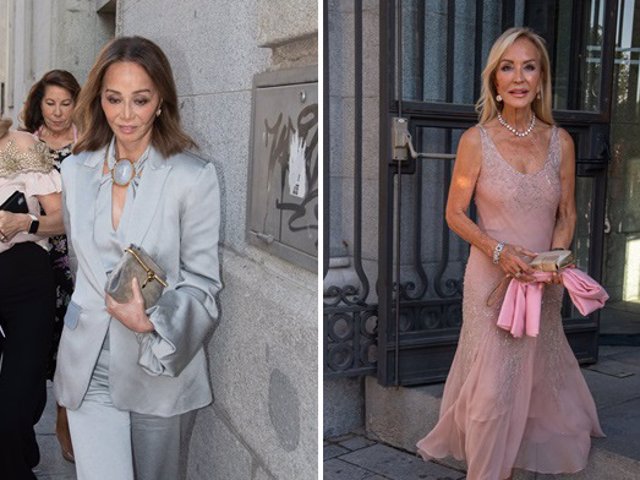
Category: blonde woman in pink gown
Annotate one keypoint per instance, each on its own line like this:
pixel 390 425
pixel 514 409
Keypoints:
pixel 513 403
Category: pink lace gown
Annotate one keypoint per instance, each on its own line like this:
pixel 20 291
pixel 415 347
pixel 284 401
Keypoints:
pixel 513 402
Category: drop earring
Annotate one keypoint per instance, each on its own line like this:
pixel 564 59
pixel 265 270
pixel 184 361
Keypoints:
pixel 158 112
pixel 498 98
pixel 539 95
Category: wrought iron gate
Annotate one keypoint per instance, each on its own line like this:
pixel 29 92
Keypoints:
pixel 349 311
pixel 429 66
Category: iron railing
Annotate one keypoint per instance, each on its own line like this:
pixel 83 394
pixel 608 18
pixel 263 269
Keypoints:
pixel 349 314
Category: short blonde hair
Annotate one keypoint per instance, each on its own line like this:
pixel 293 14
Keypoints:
pixel 487 105
pixel 5 124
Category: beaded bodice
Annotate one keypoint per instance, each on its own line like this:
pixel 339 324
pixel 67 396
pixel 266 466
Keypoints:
pixel 516 207
pixel 14 161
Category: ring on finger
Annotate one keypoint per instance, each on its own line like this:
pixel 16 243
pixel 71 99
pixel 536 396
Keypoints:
pixel 517 274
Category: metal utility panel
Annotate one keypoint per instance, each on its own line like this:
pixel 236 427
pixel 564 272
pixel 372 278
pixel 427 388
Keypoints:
pixel 282 208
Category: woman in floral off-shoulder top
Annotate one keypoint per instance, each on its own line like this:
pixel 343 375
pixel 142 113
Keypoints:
pixel 47 114
pixel 27 295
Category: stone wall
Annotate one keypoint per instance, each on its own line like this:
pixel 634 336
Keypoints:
pixel 263 356
pixel 51 34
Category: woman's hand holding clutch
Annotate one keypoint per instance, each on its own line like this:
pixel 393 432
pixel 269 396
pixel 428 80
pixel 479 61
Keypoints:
pixel 132 313
pixel 553 261
pixel 513 263
pixel 12 224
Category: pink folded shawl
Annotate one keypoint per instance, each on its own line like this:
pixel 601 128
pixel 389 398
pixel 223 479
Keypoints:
pixel 520 312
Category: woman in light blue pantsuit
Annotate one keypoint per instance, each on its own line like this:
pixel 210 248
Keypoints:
pixel 126 374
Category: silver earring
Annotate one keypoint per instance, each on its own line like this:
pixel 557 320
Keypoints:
pixel 498 98
pixel 539 95
pixel 158 112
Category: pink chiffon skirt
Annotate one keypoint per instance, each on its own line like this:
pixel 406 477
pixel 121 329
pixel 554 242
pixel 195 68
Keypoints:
pixel 512 402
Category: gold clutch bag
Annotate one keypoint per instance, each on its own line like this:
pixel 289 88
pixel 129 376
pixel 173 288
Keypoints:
pixel 552 261
pixel 135 262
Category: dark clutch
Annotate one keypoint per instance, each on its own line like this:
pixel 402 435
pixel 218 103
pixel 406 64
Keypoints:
pixel 135 262
pixel 16 203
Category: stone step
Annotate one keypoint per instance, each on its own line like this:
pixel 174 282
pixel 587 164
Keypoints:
pixel 401 416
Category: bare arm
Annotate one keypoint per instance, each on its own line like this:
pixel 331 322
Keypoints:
pixel 465 175
pixel 566 214
pixel 50 224
pixel 13 223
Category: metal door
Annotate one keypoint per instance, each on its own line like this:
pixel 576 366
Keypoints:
pixel 431 56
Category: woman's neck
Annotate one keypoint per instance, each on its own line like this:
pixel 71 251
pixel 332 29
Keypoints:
pixel 66 134
pixel 131 150
pixel 518 118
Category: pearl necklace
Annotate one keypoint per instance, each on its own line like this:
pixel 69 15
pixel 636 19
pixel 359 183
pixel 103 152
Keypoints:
pixel 515 131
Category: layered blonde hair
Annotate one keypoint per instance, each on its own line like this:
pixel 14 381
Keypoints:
pixel 487 105
pixel 167 136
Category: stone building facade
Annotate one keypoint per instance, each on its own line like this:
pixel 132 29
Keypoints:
pixel 263 356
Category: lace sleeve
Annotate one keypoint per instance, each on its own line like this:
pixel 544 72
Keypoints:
pixel 14 161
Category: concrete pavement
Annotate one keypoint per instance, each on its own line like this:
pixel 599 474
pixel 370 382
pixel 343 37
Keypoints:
pixel 614 382
pixel 354 457
pixel 52 466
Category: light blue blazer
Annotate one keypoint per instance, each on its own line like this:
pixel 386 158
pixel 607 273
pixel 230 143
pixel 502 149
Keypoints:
pixel 175 218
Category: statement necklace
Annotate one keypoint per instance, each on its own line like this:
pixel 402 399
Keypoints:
pixel 123 171
pixel 514 130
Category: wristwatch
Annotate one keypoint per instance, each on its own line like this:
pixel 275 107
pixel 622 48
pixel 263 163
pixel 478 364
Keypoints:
pixel 35 223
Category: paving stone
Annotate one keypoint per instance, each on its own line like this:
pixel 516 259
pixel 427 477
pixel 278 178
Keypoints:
pixel 616 457
pixel 52 466
pixel 628 356
pixel 336 469
pixel 609 391
pixel 47 423
pixel 397 465
pixel 332 450
pixel 356 443
pixel 608 350
pixel 615 422
pixel 341 438
pixel 51 461
pixel 614 368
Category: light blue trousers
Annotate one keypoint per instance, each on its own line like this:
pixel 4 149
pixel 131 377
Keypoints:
pixel 113 444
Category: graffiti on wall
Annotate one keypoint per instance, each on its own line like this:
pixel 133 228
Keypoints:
pixel 293 154
pixel 283 216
